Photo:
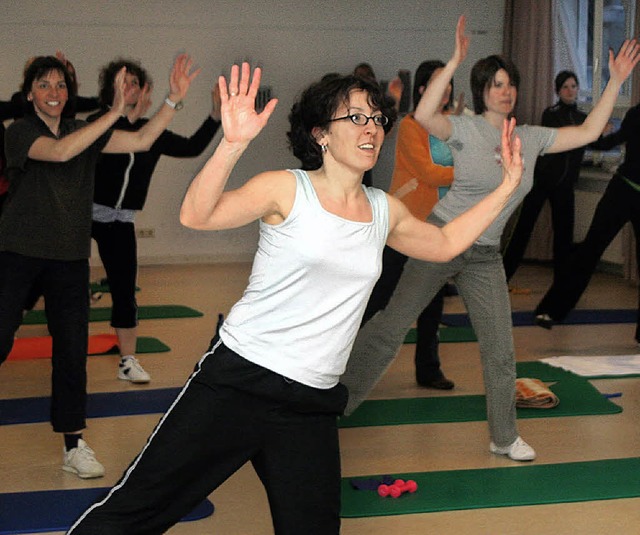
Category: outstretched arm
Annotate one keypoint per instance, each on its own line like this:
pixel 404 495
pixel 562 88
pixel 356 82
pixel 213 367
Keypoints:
pixel 206 206
pixel 427 112
pixel 620 66
pixel 180 80
pixel 424 241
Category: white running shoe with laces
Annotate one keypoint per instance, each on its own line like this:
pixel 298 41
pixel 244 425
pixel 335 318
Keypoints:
pixel 82 461
pixel 519 450
pixel 130 369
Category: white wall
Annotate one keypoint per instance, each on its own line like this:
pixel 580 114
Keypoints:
pixel 295 42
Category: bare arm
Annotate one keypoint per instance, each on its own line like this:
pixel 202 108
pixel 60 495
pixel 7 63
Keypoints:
pixel 427 112
pixel 141 140
pixel 206 205
pixel 424 241
pixel 570 137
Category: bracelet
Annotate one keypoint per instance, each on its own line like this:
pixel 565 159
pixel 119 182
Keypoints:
pixel 174 105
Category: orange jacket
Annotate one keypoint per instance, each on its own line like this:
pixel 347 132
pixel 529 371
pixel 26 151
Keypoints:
pixel 415 160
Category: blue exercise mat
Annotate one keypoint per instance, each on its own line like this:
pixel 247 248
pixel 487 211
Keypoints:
pixel 57 510
pixel 575 317
pixel 143 401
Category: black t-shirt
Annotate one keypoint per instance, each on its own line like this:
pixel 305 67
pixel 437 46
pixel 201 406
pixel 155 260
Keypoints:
pixel 48 210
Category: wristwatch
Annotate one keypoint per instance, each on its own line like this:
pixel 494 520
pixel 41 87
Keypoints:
pixel 175 105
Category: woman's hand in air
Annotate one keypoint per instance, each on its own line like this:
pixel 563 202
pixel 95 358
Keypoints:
pixel 240 121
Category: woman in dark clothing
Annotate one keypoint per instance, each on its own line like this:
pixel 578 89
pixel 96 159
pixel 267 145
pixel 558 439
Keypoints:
pixel 421 160
pixel 619 204
pixel 121 186
pixel 554 179
pixel 46 223
pixel 15 109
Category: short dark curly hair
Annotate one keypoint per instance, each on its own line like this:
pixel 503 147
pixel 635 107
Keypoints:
pixel 483 74
pixel 318 104
pixel 38 68
pixel 108 76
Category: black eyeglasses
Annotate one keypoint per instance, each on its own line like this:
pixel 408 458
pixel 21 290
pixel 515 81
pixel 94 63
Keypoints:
pixel 361 119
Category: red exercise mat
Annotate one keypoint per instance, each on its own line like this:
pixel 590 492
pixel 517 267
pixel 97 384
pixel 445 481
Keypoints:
pixel 39 347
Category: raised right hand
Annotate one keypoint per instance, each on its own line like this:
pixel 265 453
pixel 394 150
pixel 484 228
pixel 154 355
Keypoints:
pixel 240 122
pixel 142 105
pixel 119 89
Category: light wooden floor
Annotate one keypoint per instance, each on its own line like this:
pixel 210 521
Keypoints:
pixel 30 455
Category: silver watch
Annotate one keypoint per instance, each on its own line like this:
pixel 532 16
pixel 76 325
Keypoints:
pixel 175 105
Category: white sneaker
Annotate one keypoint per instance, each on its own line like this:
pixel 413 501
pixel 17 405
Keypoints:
pixel 518 451
pixel 130 369
pixel 82 461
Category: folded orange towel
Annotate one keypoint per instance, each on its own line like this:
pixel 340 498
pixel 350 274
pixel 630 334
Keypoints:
pixel 534 394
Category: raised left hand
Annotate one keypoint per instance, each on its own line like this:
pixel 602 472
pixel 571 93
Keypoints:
pixel 622 64
pixel 511 152
pixel 182 74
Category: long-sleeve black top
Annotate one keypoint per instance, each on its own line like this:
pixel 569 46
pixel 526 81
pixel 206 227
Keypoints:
pixel 629 133
pixel 560 166
pixel 122 180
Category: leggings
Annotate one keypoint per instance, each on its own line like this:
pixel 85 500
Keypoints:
pixel 118 252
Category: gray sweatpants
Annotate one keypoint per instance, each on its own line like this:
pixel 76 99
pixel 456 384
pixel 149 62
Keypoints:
pixel 479 276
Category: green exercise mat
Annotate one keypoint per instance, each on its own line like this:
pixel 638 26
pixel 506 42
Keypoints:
pixel 448 335
pixel 149 312
pixel 577 397
pixel 146 344
pixel 530 484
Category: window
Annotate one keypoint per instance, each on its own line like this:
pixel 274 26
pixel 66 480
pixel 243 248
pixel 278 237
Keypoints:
pixel 584 30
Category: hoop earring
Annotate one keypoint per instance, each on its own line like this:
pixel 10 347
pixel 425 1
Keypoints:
pixel 323 148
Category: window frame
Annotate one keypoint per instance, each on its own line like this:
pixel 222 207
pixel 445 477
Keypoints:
pixel 568 30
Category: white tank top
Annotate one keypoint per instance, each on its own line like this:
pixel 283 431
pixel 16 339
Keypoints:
pixel 311 278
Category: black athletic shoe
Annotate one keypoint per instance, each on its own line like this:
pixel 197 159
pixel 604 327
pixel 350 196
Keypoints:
pixel 441 383
pixel 544 320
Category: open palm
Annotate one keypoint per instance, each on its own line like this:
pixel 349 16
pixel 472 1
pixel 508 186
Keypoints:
pixel 623 63
pixel 240 121
pixel 511 152
pixel 181 76
pixel 462 41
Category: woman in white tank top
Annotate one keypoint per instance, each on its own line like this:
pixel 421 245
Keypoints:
pixel 267 389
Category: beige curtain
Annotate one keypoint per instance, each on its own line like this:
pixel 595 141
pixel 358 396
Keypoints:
pixel 628 241
pixel 528 41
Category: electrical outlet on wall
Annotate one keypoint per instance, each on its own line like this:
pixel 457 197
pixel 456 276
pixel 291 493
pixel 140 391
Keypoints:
pixel 146 233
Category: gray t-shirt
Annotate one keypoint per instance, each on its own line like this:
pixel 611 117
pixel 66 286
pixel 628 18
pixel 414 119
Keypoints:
pixel 48 211
pixel 477 164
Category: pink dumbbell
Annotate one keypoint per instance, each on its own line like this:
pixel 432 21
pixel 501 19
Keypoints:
pixel 398 488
